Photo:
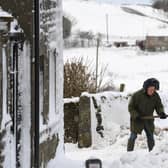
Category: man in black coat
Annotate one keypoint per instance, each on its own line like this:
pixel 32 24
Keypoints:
pixel 142 104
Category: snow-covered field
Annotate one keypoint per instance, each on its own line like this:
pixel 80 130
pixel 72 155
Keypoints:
pixel 126 65
pixel 92 17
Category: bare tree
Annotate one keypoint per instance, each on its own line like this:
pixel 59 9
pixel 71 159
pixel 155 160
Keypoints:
pixel 79 76
pixel 76 77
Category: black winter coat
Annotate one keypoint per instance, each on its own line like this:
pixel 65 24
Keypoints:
pixel 141 105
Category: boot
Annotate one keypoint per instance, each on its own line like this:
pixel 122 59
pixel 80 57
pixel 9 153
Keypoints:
pixel 131 141
pixel 151 144
pixel 130 145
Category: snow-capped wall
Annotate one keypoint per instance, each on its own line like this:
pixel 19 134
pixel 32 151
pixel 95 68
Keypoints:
pixel 96 116
pixel 114 106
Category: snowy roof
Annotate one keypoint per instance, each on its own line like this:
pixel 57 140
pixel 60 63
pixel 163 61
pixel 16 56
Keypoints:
pixel 4 14
pixel 5 18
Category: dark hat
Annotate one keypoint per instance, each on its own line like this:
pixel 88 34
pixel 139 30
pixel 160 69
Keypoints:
pixel 151 82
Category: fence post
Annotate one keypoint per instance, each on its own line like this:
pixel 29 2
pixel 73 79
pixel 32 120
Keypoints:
pixel 84 134
pixel 122 87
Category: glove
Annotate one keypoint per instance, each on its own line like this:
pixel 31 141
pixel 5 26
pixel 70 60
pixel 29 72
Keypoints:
pixel 137 117
pixel 162 115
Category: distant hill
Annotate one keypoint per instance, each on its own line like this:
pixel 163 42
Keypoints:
pixel 123 20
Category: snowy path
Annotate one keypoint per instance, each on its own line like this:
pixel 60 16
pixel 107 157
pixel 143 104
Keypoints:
pixel 115 156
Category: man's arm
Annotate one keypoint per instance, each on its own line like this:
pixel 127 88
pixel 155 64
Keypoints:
pixel 131 108
pixel 159 106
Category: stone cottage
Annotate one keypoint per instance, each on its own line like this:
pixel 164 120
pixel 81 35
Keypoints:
pixel 156 42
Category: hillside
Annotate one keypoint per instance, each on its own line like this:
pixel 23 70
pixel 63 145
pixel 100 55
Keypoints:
pixel 137 20
pixel 124 65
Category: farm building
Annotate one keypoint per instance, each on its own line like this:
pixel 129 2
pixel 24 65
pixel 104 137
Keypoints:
pixel 156 43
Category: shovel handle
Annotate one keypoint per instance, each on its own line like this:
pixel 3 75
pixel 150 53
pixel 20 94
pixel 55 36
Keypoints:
pixel 151 117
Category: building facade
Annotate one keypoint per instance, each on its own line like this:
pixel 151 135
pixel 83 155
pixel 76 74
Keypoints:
pixel 17 84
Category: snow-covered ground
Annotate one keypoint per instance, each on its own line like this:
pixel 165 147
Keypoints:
pixel 115 155
pixel 112 148
pixel 124 65
pixel 130 66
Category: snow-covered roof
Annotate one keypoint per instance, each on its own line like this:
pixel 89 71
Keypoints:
pixel 5 17
pixel 4 14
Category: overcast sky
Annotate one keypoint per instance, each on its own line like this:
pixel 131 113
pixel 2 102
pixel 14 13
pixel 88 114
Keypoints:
pixel 128 1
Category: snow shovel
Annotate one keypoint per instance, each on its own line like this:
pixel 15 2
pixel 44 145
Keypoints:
pixel 93 163
pixel 151 117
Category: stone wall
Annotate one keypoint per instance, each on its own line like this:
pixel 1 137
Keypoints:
pixel 71 121
pixel 48 150
pixel 94 114
pixel 156 43
pixel 77 121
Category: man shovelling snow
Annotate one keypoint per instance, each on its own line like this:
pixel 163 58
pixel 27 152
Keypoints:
pixel 141 107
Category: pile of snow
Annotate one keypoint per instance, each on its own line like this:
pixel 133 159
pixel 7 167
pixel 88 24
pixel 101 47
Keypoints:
pixel 4 13
pixel 3 24
pixel 115 155
pixel 115 117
